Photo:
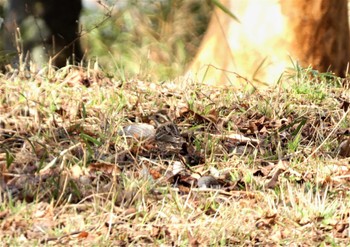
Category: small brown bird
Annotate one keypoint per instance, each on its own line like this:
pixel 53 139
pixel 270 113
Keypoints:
pixel 162 137
pixel 166 130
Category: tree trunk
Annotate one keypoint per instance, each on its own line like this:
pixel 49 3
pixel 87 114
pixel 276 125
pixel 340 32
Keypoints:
pixel 271 33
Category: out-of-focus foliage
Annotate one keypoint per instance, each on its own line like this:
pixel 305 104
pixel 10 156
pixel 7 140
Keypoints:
pixel 152 39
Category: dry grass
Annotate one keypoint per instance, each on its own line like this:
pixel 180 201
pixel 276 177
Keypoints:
pixel 67 177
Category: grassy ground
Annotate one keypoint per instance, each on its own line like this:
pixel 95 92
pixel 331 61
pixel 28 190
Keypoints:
pixel 278 155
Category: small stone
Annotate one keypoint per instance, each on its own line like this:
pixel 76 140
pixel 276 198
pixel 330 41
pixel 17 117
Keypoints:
pixel 178 167
pixel 138 131
pixel 208 182
pixel 85 180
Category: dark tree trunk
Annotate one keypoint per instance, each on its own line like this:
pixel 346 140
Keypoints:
pixel 61 17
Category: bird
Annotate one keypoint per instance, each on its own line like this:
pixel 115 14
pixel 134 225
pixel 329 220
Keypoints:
pixel 160 136
pixel 166 130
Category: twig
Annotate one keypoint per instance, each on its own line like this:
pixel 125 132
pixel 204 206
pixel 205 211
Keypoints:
pixel 52 163
pixel 329 135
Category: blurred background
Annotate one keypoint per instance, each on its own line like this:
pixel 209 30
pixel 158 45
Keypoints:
pixel 154 40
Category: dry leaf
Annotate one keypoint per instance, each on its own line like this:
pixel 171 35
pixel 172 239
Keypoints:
pixel 266 222
pixel 344 148
pixel 154 173
pixel 83 234
pixel 280 168
pixel 104 167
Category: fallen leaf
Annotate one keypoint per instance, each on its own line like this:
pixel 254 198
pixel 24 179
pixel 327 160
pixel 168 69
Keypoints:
pixel 344 148
pixel 104 167
pixel 83 234
pixel 266 222
pixel 280 168
pixel 154 173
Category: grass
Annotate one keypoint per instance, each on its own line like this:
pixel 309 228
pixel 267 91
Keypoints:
pixel 67 177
